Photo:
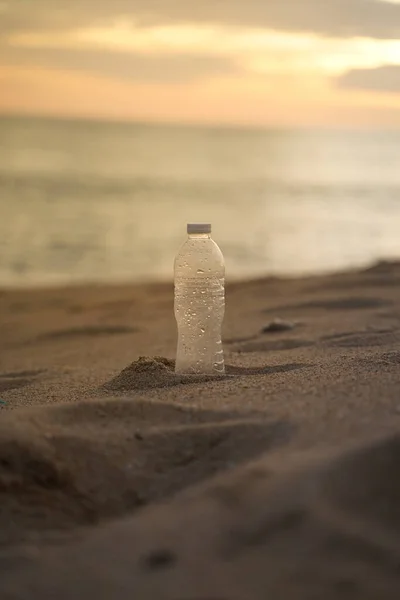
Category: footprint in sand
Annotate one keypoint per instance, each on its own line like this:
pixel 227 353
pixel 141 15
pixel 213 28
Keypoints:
pixel 362 339
pixel 380 361
pixel 272 345
pixel 81 479
pixel 88 331
pixel 347 303
pixel 17 379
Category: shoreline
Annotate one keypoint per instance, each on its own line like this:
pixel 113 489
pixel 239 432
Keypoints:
pixel 381 265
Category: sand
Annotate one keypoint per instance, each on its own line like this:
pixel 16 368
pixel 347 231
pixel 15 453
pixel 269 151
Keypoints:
pixel 119 479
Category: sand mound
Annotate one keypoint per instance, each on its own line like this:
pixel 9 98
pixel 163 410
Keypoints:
pixel 152 372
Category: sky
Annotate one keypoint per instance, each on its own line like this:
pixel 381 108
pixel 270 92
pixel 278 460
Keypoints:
pixel 277 63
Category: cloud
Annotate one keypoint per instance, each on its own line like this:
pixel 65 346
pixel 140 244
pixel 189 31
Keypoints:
pixel 381 79
pixel 336 18
pixel 160 68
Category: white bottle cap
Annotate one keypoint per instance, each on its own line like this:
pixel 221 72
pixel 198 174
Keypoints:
pixel 198 228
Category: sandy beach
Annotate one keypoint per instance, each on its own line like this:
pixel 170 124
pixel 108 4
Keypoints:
pixel 120 480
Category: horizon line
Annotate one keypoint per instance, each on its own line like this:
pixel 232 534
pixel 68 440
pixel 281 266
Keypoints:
pixel 242 126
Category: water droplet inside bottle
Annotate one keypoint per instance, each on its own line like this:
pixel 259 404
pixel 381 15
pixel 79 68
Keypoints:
pixel 200 271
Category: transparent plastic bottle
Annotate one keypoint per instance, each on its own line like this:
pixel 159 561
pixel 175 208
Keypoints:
pixel 199 303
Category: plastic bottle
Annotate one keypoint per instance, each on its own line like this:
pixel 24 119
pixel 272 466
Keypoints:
pixel 199 303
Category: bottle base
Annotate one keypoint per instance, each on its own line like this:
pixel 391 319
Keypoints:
pixel 186 369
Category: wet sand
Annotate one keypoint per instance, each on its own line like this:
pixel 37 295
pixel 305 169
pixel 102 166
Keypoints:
pixel 119 479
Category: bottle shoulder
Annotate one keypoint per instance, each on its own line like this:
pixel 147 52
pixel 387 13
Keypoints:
pixel 199 253
pixel 200 246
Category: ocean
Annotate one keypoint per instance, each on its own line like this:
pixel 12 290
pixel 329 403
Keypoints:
pixel 108 202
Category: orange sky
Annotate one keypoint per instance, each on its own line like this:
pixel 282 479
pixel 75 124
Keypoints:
pixel 201 70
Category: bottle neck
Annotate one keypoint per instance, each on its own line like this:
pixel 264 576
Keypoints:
pixel 199 236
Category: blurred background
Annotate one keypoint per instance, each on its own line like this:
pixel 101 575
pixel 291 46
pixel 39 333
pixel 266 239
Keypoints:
pixel 276 120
